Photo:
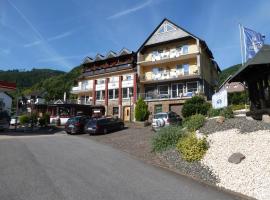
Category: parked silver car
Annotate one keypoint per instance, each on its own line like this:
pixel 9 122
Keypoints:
pixel 163 119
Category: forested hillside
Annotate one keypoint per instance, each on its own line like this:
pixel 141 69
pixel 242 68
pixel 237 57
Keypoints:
pixel 26 79
pixel 227 72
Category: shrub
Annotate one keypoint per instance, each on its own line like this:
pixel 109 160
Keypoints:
pixel 194 122
pixel 166 138
pixel 24 119
pixel 214 112
pixel 237 98
pixel 195 105
pixel 33 118
pixel 227 113
pixel 192 148
pixel 42 121
pixel 238 107
pixel 141 110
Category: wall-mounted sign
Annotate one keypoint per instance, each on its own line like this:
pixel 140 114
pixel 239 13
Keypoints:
pixel 220 99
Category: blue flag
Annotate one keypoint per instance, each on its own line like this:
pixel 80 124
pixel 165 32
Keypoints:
pixel 253 42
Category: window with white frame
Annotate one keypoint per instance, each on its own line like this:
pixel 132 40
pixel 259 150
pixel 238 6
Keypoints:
pixel 111 96
pixel 163 89
pixel 84 84
pixel 186 69
pixel 177 90
pixel 100 95
pixel 113 79
pixel 113 93
pixel 166 27
pixel 185 49
pixel 127 92
pixel 192 87
pixel 101 81
pixel 179 69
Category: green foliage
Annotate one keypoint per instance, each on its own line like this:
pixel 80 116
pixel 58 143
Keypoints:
pixel 227 72
pixel 195 105
pixel 214 112
pixel 192 148
pixel 24 119
pixel 141 110
pixel 194 122
pixel 44 120
pixel 166 138
pixel 227 112
pixel 238 107
pixel 26 79
pixel 33 118
pixel 237 98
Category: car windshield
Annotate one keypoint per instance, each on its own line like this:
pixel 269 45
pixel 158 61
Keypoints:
pixel 160 116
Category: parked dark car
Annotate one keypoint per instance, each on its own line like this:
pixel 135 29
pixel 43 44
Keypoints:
pixel 75 125
pixel 103 125
pixel 4 120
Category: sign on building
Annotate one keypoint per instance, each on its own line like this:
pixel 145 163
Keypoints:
pixel 220 99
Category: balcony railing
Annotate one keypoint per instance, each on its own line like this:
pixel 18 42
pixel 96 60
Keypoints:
pixel 172 95
pixel 150 76
pixel 78 89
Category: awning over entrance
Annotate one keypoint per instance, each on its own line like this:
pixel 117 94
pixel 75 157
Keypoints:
pixel 6 86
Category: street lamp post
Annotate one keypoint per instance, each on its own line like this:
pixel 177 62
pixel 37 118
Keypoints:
pixel 130 95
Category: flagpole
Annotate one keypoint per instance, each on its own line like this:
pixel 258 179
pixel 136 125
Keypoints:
pixel 241 43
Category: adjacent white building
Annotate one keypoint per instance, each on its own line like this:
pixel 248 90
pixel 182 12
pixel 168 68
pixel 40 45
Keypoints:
pixel 5 102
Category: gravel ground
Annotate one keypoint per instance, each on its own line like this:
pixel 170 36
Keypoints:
pixel 135 141
pixel 240 123
pixel 252 175
pixel 194 169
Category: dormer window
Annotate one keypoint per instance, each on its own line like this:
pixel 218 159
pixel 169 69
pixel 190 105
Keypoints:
pixel 166 27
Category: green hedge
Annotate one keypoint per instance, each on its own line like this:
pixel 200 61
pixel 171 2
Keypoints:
pixel 192 148
pixel 194 122
pixel 141 110
pixel 24 119
pixel 166 138
pixel 195 105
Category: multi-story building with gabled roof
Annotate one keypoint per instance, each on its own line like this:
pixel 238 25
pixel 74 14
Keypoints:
pixel 172 65
pixel 111 81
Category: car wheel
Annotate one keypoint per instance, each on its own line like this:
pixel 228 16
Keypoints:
pixel 121 127
pixel 105 131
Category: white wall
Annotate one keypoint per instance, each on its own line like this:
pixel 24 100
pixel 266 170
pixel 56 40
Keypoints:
pixel 7 101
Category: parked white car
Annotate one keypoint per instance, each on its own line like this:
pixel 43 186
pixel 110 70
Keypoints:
pixel 163 119
pixel 14 120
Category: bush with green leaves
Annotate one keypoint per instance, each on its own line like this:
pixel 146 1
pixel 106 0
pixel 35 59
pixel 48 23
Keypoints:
pixel 194 122
pixel 33 118
pixel 141 110
pixel 191 147
pixel 166 138
pixel 195 105
pixel 24 119
pixel 212 112
pixel 227 112
pixel 238 107
pixel 237 98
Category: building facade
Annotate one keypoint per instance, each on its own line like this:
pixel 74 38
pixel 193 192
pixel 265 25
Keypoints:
pixel 110 81
pixel 172 65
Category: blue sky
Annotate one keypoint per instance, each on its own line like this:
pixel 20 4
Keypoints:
pixel 58 34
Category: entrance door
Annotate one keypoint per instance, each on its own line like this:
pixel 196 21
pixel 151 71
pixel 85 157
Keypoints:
pixel 127 113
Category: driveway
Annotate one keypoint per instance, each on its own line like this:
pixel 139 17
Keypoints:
pixel 67 167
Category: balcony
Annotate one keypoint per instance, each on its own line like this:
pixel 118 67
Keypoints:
pixel 81 89
pixel 167 56
pixel 167 75
pixel 153 96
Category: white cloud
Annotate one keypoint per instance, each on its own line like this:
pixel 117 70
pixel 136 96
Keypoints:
pixel 60 36
pixel 130 10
